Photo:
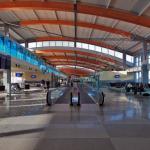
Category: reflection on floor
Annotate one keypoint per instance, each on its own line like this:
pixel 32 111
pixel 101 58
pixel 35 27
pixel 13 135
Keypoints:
pixel 122 124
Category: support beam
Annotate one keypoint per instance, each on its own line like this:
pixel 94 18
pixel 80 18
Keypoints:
pixel 80 64
pixel 18 34
pixel 144 53
pixel 75 23
pixel 108 4
pixel 75 28
pixel 12 29
pixel 6 30
pixel 99 56
pixel 144 9
pixel 92 61
pixel 26 44
pixel 80 24
pixel 121 15
pixel 75 71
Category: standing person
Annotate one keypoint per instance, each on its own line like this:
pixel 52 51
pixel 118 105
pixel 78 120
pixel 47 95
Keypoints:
pixel 141 88
pixel 129 87
pixel 135 89
pixel 71 84
pixel 48 84
pixel 43 82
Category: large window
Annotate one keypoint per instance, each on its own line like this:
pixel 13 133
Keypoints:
pixel 84 46
pixel 129 58
pixel 23 44
pixel 149 76
pixel 111 52
pixel 119 55
pixel 98 49
pixel 32 45
pixel 148 59
pixel 59 43
pixel 39 44
pixel 52 43
pixel 79 45
pixel 105 50
pixel 45 43
pixel 91 47
pixel 138 61
pixel 71 44
pixel 138 76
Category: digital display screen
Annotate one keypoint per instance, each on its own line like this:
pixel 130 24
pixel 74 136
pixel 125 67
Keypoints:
pixel 117 76
pixel 33 76
pixel 19 74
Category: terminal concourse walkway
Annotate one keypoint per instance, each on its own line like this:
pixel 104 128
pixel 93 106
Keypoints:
pixel 84 98
pixel 123 123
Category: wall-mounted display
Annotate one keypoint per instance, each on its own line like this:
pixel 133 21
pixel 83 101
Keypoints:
pixel 116 76
pixel 33 76
pixel 18 74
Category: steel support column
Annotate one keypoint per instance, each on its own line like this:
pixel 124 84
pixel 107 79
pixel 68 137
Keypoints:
pixel 26 44
pixel 124 60
pixel 144 64
pixel 6 30
pixel 7 73
pixel 75 28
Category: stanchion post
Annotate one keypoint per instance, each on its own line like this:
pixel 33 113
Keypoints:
pixel 78 99
pixel 71 104
pixel 48 98
pixel 103 96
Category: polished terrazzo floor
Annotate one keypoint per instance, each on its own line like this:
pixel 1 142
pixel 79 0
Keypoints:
pixel 123 123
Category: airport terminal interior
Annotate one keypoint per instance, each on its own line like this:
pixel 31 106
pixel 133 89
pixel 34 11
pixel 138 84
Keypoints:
pixel 74 74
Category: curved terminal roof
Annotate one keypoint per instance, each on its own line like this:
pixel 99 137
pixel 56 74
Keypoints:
pixel 118 25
